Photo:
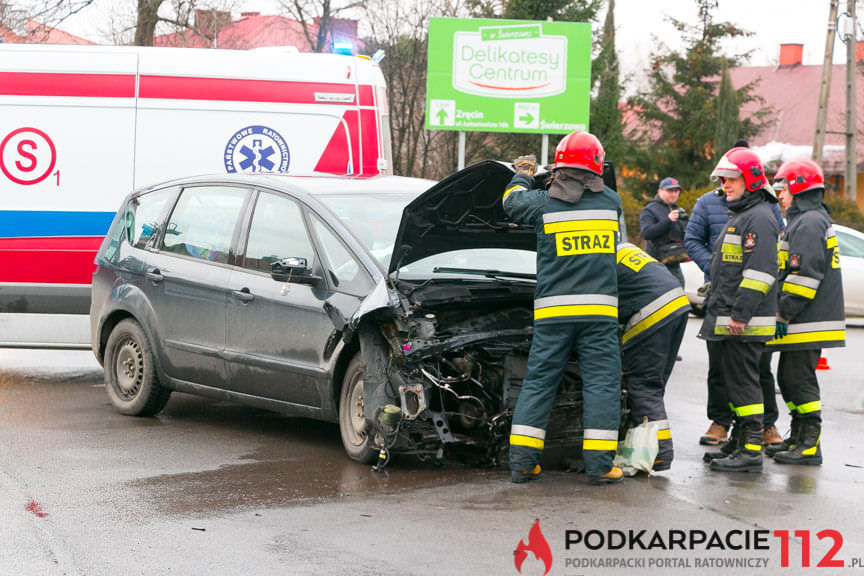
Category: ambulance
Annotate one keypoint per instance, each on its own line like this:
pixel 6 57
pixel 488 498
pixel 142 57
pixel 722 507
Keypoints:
pixel 82 126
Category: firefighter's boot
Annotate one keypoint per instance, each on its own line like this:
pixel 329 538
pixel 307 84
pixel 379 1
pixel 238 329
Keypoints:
pixel 747 458
pixel 726 448
pixel 788 443
pixel 808 450
pixel 614 476
pixel 522 476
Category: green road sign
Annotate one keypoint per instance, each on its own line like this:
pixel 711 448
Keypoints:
pixel 508 75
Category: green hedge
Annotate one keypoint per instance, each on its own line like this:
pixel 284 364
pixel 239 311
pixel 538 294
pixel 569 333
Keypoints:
pixel 844 212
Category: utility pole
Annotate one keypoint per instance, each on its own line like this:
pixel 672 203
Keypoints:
pixel 851 105
pixel 822 113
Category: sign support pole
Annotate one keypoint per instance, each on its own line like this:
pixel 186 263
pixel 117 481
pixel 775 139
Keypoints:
pixel 544 151
pixel 461 164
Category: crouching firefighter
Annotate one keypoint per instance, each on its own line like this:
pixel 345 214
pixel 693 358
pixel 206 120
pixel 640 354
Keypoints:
pixel 575 304
pixel 740 311
pixel 810 314
pixel 653 309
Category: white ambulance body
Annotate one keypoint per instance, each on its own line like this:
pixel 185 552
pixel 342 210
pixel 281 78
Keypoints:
pixel 82 126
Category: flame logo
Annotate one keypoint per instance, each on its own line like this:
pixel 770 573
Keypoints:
pixel 538 545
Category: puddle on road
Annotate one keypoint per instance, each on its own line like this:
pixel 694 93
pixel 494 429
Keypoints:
pixel 284 482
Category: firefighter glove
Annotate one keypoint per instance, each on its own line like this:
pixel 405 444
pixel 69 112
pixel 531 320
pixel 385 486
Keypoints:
pixel 526 164
pixel 781 329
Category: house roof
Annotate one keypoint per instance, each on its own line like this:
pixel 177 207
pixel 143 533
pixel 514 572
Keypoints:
pixel 37 33
pixel 252 31
pixel 793 93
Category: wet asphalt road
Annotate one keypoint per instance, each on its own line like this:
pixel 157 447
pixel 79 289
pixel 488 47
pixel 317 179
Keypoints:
pixel 214 488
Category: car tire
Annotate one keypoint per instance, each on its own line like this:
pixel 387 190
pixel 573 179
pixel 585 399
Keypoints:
pixel 130 372
pixel 352 421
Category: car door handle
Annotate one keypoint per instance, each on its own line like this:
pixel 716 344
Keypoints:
pixel 243 295
pixel 155 276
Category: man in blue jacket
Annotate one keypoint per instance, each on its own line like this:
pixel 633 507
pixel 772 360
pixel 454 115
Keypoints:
pixel 707 222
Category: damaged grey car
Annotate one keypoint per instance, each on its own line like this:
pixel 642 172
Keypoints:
pixel 399 308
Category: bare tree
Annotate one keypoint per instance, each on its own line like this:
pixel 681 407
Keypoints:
pixel 320 19
pixel 399 29
pixel 48 14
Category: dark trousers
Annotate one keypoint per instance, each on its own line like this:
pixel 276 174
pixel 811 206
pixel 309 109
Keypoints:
pixel 796 374
pixel 596 347
pixel 647 367
pixel 718 400
pixel 736 363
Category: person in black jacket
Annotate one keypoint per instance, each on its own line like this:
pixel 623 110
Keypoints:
pixel 810 314
pixel 741 308
pixel 575 305
pixel 706 224
pixel 653 310
pixel 662 225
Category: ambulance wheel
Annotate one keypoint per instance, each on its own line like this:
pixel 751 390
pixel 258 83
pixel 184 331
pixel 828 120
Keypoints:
pixel 130 375
pixel 352 419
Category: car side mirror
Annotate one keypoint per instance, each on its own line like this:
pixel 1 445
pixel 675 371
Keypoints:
pixel 294 269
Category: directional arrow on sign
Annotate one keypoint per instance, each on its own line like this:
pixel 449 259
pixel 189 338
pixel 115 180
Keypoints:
pixel 526 119
pixel 442 116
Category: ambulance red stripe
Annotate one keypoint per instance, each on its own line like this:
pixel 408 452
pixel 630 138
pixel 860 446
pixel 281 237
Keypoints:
pixel 77 85
pixel 48 260
pixel 177 87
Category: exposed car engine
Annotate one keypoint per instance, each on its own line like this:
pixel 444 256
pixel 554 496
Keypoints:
pixel 455 366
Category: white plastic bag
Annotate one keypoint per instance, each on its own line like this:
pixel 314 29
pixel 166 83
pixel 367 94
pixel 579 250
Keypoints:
pixel 639 448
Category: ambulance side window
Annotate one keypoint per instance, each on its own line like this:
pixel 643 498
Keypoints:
pixel 142 216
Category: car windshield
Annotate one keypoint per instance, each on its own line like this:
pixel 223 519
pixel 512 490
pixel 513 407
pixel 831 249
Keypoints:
pixel 850 245
pixel 374 220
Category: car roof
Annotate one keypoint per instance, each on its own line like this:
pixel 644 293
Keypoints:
pixel 313 184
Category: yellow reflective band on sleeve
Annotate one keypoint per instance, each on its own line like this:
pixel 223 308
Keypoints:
pixel 791 406
pixel 809 407
pixel 512 189
pixel 576 310
pixel 749 409
pixel 656 317
pixel 809 337
pixel 799 290
pixel 753 447
pixel 756 285
pixel 599 444
pixel 831 242
pixel 573 243
pixel 519 440
pixel 748 331
pixel 580 225
pixel 664 434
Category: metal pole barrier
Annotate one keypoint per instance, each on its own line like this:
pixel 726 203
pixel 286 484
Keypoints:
pixel 544 151
pixel 851 120
pixel 461 150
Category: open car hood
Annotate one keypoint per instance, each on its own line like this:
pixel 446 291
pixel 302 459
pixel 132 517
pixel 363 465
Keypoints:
pixel 462 211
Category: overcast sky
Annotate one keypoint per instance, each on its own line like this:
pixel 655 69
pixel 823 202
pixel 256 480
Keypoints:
pixel 640 25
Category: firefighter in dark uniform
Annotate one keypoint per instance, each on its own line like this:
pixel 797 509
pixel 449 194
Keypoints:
pixel 810 314
pixel 653 310
pixel 575 304
pixel 741 309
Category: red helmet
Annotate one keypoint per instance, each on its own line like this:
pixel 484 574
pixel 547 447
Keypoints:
pixel 801 175
pixel 742 162
pixel 580 150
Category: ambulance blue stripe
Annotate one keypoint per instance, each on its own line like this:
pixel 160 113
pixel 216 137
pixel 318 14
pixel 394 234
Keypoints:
pixel 37 223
